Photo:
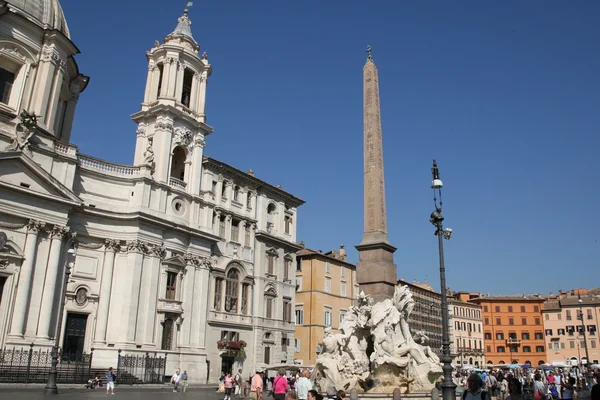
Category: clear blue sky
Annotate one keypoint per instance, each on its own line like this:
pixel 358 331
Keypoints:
pixel 506 95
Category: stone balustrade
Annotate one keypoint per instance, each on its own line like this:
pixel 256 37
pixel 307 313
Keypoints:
pixel 177 183
pixel 107 167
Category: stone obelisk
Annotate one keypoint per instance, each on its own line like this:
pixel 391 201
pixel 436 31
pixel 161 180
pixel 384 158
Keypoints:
pixel 376 271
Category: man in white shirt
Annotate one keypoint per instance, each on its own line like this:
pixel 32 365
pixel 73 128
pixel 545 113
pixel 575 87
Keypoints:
pixel 303 385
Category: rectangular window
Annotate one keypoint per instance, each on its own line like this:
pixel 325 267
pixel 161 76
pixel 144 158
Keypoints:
pixel 217 299
pixel 510 309
pixel 539 349
pixel 571 344
pixel 343 315
pixel 171 285
pixel 498 321
pixel 539 336
pixel 559 316
pixel 525 336
pixel 269 307
pixel 287 264
pixel 270 264
pixel 284 343
pixel 327 267
pixel 590 315
pixel 343 289
pixel 288 224
pixel 222 226
pixel 328 285
pixel 487 336
pixel 298 283
pixel 297 345
pixel 548 332
pixel 497 308
pixel 560 331
pixel 499 336
pixel 536 309
pixel 214 187
pixel 522 308
pixel 486 321
pixel 511 321
pixel 298 264
pixel 342 271
pixel 267 358
pixel 327 317
pixel 235 230
pixel 299 317
pixel 247 235
pixel 537 321
pixel 568 315
pixel 485 308
pixel 488 349
pixel 547 316
pixel 287 311
pixel 593 344
pixel 524 321
pixel 500 349
pixel 562 345
pixel 7 79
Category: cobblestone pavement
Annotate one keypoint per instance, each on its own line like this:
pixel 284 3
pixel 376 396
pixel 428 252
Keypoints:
pixel 123 393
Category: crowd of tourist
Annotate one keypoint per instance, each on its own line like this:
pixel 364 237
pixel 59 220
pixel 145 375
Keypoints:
pixel 524 384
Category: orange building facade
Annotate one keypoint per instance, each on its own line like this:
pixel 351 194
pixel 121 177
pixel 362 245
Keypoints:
pixel 513 329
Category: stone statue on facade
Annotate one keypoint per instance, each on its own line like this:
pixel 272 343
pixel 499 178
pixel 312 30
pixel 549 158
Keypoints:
pixel 376 351
pixel 23 132
pixel 149 154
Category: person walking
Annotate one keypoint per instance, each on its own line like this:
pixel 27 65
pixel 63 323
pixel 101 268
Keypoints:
pixel 304 385
pixel 228 380
pixel 175 380
pixel 110 381
pixel 184 381
pixel 256 387
pixel 280 385
pixel 238 384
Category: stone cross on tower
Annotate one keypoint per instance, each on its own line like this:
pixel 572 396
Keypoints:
pixel 376 271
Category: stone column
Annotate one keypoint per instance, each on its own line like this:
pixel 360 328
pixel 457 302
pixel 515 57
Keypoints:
pixel 148 91
pixel 172 76
pixel 196 167
pixel 111 246
pixel 201 307
pixel 194 92
pixel 55 96
pixel 239 301
pixel 147 308
pixel 179 81
pixel 202 94
pixel 131 280
pixel 44 78
pixel 25 278
pixel 163 134
pixel 188 301
pixel 48 308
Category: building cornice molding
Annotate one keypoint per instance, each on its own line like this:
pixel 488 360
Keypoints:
pixel 279 242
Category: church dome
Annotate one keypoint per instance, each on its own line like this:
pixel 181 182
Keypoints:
pixel 46 13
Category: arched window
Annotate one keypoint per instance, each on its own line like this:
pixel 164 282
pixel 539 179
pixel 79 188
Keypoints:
pixel 186 93
pixel 541 362
pixel 178 163
pixel 232 283
pixel 160 79
pixel 167 336
pixel 271 208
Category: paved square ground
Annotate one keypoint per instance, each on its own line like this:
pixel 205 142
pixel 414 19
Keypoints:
pixel 124 393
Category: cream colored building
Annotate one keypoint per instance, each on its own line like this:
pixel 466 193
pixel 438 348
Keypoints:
pixel 325 289
pixel 466 330
pixel 563 328
pixel 172 253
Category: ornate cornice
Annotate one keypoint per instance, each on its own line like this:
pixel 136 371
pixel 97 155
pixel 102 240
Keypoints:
pixel 198 261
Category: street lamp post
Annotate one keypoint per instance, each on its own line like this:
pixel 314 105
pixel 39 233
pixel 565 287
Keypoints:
pixel 436 218
pixel 587 354
pixel 51 387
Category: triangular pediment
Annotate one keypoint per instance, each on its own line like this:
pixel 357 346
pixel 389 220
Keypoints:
pixel 21 171
pixel 176 260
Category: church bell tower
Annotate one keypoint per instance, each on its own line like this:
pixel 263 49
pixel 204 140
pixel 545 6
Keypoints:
pixel 172 122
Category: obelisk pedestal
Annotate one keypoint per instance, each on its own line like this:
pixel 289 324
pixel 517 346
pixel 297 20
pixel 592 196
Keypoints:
pixel 376 271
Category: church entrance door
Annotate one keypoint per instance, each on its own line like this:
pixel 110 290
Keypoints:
pixel 74 337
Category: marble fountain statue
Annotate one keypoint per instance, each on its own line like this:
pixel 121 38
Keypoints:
pixel 376 352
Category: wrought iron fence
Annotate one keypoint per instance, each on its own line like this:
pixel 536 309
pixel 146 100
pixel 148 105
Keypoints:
pixel 22 365
pixel 141 368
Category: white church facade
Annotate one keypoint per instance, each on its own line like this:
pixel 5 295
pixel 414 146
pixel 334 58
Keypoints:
pixel 178 253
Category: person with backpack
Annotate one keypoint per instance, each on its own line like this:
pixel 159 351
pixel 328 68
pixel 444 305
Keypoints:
pixel 474 392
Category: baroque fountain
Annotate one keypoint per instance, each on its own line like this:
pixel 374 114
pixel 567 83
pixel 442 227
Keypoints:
pixel 376 352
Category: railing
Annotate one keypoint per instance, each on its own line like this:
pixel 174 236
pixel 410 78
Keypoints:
pixel 63 148
pixel 100 165
pixel 513 341
pixel 32 366
pixel 178 183
pixel 141 368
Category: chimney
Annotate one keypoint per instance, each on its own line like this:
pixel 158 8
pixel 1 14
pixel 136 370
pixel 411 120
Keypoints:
pixel 342 252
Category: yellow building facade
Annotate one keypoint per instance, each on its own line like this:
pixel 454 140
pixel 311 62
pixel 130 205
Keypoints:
pixel 325 289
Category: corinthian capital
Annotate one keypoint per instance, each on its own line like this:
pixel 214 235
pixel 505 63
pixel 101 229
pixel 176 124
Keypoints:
pixel 112 245
pixel 137 246
pixel 34 226
pixel 158 250
pixel 59 232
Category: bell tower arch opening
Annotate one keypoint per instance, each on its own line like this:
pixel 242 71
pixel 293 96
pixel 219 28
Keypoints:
pixel 178 160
